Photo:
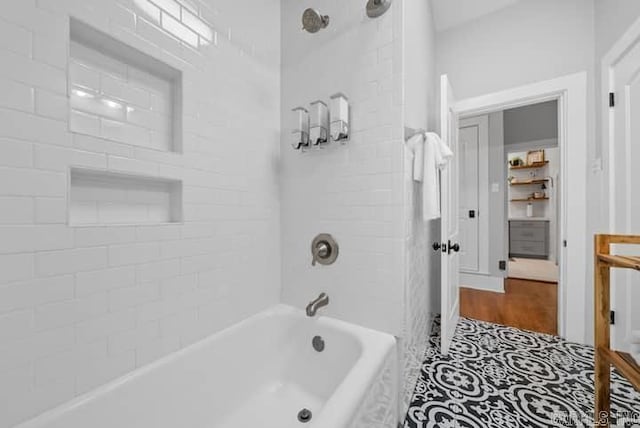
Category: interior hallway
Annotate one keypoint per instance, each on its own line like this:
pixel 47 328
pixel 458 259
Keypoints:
pixel 528 305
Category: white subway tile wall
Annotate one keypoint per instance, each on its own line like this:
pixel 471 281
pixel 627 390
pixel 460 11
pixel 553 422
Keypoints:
pixel 362 192
pixel 352 191
pixel 82 305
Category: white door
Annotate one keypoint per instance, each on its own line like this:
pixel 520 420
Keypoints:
pixel 625 158
pixel 473 144
pixel 468 144
pixel 449 199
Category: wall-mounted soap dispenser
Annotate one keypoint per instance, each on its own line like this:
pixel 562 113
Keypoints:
pixel 300 133
pixel 319 123
pixel 339 128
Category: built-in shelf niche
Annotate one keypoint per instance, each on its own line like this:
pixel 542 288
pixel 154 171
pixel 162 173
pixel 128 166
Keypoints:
pixel 119 93
pixel 109 198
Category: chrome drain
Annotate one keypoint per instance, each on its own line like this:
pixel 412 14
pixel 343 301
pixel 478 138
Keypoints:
pixel 304 415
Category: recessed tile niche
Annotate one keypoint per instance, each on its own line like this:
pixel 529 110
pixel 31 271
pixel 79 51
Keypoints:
pixel 122 94
pixel 108 198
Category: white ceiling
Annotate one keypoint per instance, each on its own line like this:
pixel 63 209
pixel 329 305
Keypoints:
pixel 452 13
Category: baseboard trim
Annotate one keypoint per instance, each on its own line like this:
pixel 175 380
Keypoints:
pixel 482 282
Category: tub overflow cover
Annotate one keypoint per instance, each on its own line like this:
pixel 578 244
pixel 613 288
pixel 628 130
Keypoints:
pixel 304 415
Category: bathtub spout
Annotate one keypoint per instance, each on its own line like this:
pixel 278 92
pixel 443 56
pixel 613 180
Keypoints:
pixel 314 305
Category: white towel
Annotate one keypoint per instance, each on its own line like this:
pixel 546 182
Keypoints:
pixel 416 145
pixel 435 158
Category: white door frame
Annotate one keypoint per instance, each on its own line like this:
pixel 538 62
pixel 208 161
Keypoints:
pixel 609 61
pixel 571 93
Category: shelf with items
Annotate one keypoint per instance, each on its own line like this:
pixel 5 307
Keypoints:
pixel 532 166
pixel 528 182
pixel 529 200
pixel 605 357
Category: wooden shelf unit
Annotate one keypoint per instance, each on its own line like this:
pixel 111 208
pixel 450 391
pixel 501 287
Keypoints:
pixel 605 357
pixel 529 200
pixel 528 182
pixel 628 262
pixel 532 166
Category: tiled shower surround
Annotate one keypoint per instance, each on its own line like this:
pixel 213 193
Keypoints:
pixel 361 192
pixel 82 305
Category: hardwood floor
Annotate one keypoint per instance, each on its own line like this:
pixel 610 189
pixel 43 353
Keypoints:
pixel 529 305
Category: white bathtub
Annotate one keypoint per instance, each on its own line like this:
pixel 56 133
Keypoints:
pixel 258 373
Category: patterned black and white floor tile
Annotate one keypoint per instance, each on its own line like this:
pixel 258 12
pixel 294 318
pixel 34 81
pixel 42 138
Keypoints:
pixel 502 377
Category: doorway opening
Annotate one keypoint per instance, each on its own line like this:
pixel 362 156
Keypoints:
pixel 509 216
pixel 533 196
pixel 570 93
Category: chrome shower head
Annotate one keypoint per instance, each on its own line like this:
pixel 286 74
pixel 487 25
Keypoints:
pixel 376 8
pixel 313 21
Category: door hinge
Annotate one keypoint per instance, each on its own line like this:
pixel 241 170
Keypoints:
pixel 564 243
pixel 612 99
pixel 612 318
pixel 502 265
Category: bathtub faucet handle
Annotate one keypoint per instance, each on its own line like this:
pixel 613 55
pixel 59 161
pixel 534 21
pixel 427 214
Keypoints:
pixel 324 249
pixel 321 252
pixel 314 305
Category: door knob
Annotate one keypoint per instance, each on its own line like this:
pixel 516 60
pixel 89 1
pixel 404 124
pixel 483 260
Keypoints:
pixel 454 247
pixel 438 246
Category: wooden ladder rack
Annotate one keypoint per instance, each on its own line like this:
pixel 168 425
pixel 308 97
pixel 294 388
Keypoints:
pixel 604 355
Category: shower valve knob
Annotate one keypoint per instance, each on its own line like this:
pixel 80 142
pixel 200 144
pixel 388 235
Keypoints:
pixel 324 250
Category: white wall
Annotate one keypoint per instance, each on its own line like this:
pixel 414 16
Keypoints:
pixel 422 264
pixel 82 305
pixel 532 40
pixel 613 17
pixel 352 191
